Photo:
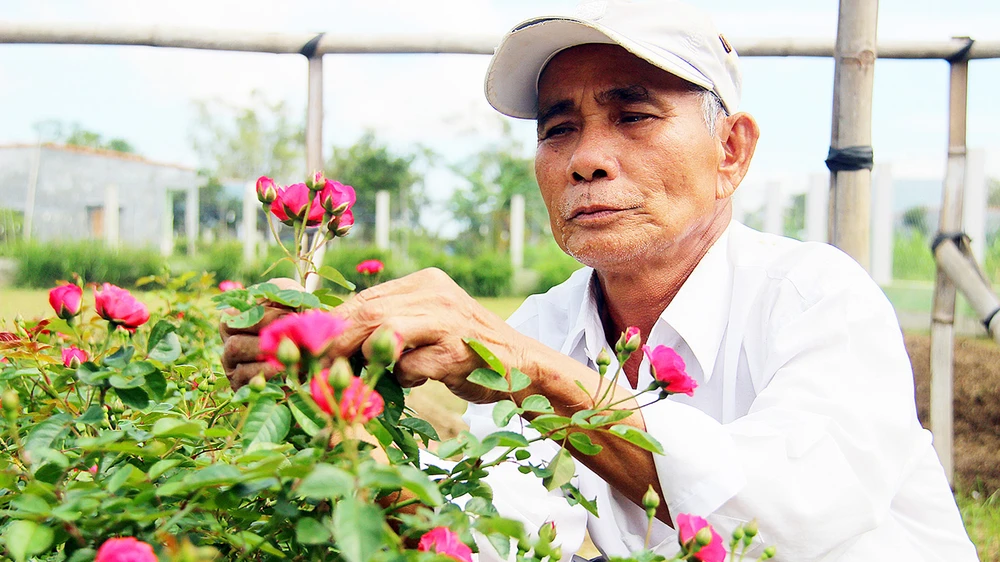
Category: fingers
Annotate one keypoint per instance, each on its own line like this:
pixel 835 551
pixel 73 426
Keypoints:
pixel 242 373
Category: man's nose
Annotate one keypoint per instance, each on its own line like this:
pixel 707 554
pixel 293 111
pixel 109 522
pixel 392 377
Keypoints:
pixel 593 157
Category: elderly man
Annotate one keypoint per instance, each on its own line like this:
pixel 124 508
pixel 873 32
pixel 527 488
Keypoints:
pixel 804 414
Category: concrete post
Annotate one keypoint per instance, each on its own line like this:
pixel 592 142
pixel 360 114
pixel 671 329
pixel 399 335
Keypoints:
pixel 250 206
pixel 111 210
pixel 817 207
pixel 882 224
pixel 191 219
pixel 974 210
pixel 167 229
pixel 382 220
pixel 774 207
pixel 314 146
pixel 517 231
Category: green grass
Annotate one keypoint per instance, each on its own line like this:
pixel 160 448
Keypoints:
pixel 982 519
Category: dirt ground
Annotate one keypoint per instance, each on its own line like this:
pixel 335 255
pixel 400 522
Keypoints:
pixel 977 407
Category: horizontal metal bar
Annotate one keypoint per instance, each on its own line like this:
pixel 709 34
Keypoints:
pixel 331 43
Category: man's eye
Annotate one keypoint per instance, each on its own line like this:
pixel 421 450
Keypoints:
pixel 556 131
pixel 633 117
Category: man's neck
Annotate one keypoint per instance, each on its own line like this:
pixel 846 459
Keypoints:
pixel 637 296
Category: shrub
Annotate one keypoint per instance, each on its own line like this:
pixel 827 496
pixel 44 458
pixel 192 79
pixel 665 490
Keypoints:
pixel 911 257
pixel 41 265
pixel 345 259
pixel 551 263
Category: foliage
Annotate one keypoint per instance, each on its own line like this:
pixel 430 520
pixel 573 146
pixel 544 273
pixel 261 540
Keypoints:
pixel 41 265
pixel 795 217
pixel 993 192
pixel 981 514
pixel 369 166
pixel 915 219
pixel 911 257
pixel 345 259
pixel 552 264
pixel 146 438
pixel 493 177
pixel 56 131
pixel 11 226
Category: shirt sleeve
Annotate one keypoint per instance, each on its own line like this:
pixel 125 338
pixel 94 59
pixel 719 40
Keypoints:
pixel 829 438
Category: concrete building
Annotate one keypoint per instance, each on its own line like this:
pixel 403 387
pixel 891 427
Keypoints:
pixel 68 193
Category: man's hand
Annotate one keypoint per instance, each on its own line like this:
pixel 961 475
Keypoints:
pixel 432 314
pixel 241 346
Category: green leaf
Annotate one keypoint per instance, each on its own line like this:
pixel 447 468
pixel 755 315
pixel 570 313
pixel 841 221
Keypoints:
pixel 297 299
pixel 638 437
pixel 236 298
pixel 518 380
pixel 176 427
pixel 490 379
pixel 561 470
pixel 421 427
pixel 606 419
pixel 246 318
pixel 395 399
pixel 91 374
pixel 326 482
pixel 44 434
pixel 581 442
pixel 167 350
pixel 417 482
pixel 575 497
pixel 331 274
pixel 536 403
pixel 450 448
pixel 159 331
pixel 213 475
pixel 546 423
pixel 358 528
pixel 161 467
pixel 133 397
pixel 504 439
pixel 27 538
pixel 94 414
pixel 327 297
pixel 491 359
pixel 120 358
pixel 267 422
pixel 308 419
pixel 503 411
pixel 156 384
pixel 311 531
pixel 122 475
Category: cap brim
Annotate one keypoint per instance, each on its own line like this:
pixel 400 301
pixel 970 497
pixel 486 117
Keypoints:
pixel 512 77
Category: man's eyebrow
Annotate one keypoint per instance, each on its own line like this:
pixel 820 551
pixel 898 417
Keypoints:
pixel 558 108
pixel 623 94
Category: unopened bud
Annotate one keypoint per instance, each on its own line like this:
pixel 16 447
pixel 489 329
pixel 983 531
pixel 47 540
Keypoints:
pixel 547 532
pixel 751 528
pixel 738 533
pixel 603 358
pixel 703 536
pixel 258 383
pixel 316 182
pixel 342 231
pixel 267 191
pixel 387 346
pixel 288 353
pixel 11 401
pixel 769 552
pixel 555 553
pixel 651 501
pixel 629 341
pixel 341 374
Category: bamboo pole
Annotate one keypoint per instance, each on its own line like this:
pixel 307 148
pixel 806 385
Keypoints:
pixel 943 311
pixel 314 144
pixel 483 44
pixel 854 80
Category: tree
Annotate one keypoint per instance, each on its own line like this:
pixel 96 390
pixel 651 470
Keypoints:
pixel 993 192
pixel 795 217
pixel 915 218
pixel 494 176
pixel 78 136
pixel 369 166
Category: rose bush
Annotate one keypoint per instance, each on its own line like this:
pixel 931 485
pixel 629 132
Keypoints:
pixel 118 444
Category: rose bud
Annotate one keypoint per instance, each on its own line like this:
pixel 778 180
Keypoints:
pixel 316 182
pixel 345 223
pixel 267 191
pixel 66 300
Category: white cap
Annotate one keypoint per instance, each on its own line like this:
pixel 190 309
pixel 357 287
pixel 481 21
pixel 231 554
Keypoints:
pixel 670 35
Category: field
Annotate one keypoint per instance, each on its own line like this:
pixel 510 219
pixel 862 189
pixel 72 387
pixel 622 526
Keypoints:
pixel 977 404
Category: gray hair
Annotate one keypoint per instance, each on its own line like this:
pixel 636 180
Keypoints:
pixel 711 107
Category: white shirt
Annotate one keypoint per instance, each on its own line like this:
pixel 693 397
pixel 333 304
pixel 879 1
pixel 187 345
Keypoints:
pixel 804 415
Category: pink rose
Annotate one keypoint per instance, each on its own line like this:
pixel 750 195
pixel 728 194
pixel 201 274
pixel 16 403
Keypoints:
pixel 291 204
pixel 370 267
pixel 92 470
pixel 668 370
pixel 687 527
pixel 336 197
pixel 118 306
pixel 312 332
pixel 126 549
pixel 344 223
pixel 358 403
pixel 444 541
pixel 267 190
pixel 228 285
pixel 72 356
pixel 66 300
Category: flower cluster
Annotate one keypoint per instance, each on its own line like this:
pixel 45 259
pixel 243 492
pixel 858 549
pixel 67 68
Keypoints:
pixel 112 303
pixel 357 402
pixel 445 542
pixel 308 335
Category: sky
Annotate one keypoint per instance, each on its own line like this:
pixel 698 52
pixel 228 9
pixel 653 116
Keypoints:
pixel 147 95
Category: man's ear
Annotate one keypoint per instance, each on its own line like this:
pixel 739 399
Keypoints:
pixel 737 136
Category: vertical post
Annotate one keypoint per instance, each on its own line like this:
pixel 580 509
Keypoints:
pixel 382 220
pixel 314 142
pixel 882 225
pixel 974 214
pixel 854 77
pixel 111 211
pixel 250 207
pixel 774 207
pixel 167 228
pixel 943 311
pixel 817 208
pixel 192 211
pixel 517 231
pixel 29 203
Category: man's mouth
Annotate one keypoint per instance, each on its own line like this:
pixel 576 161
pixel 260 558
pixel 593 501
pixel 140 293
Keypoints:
pixel 594 212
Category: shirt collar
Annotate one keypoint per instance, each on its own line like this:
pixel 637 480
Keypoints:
pixel 698 313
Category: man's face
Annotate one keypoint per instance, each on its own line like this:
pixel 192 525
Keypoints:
pixel 625 162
